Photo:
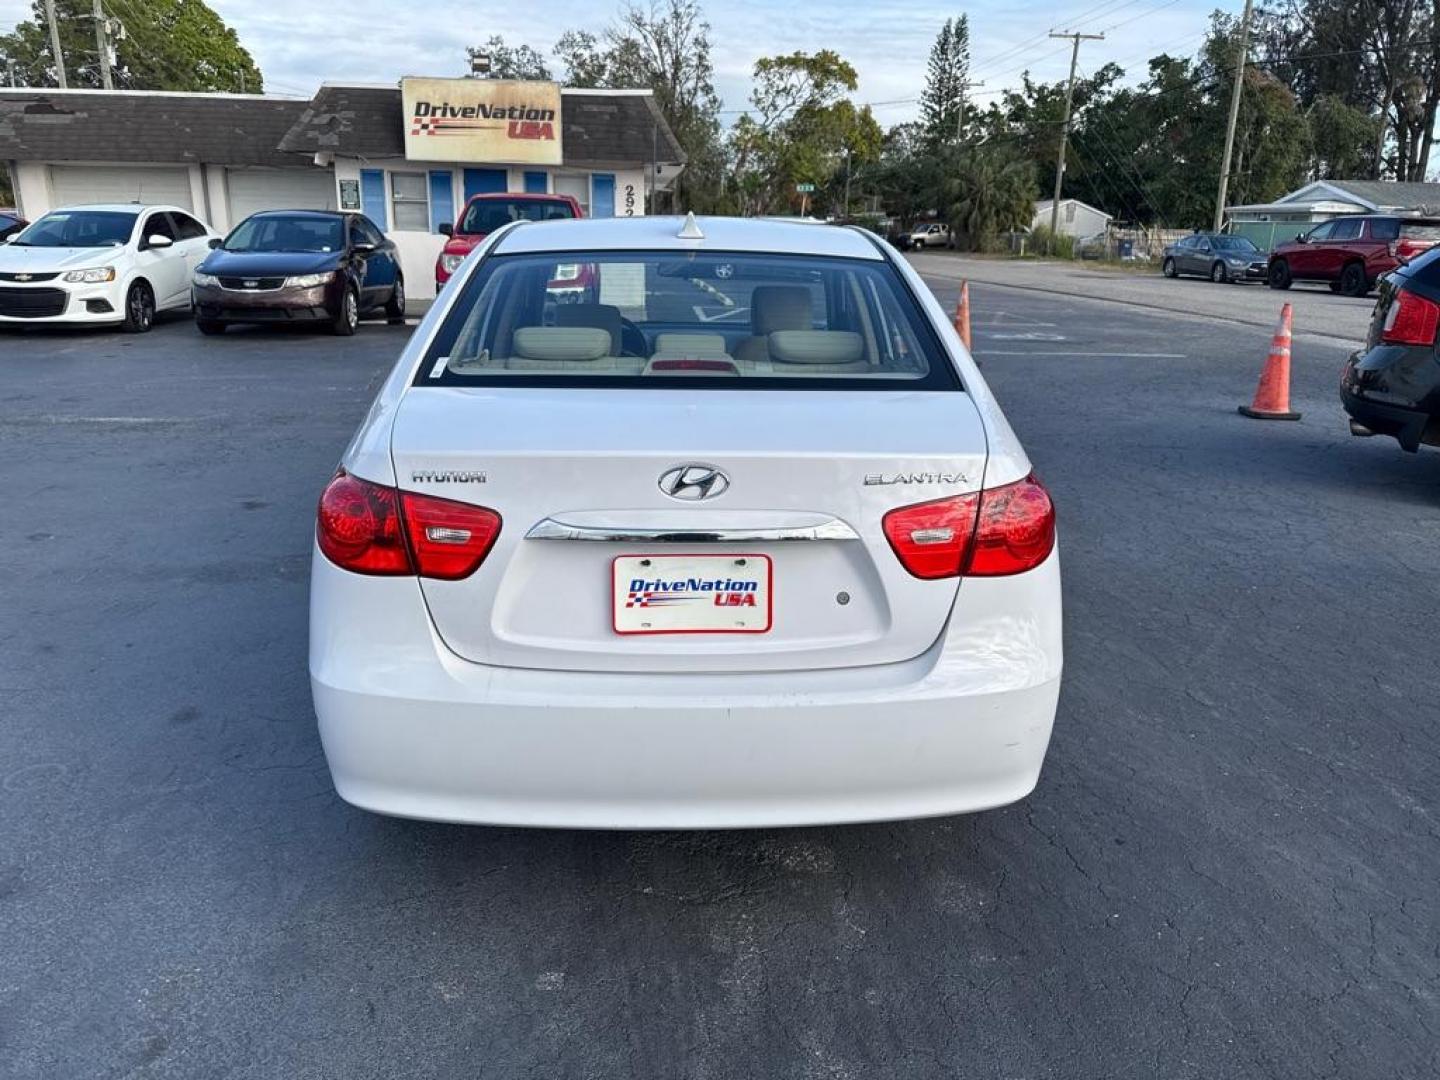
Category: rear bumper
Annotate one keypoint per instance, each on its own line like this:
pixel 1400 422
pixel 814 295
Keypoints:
pixel 411 730
pixel 1394 391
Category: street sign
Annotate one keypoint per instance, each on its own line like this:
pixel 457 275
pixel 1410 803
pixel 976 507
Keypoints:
pixel 804 189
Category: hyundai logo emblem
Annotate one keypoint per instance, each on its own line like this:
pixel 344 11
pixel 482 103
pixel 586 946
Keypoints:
pixel 251 283
pixel 694 482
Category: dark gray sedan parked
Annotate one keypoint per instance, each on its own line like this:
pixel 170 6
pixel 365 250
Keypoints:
pixel 1218 256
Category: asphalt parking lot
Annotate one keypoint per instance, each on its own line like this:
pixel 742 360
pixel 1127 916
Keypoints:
pixel 1228 868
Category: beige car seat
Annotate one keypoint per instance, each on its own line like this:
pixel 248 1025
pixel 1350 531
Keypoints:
pixel 772 308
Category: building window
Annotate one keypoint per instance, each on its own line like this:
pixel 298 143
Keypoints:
pixel 578 187
pixel 410 194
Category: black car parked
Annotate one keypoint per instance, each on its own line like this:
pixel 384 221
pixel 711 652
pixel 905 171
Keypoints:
pixel 1392 386
pixel 299 266
pixel 10 224
pixel 1219 256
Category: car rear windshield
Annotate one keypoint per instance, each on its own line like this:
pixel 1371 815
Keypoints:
pixel 487 215
pixel 279 233
pixel 700 320
pixel 79 228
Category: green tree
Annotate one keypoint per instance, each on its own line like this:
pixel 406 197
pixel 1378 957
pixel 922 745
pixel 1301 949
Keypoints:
pixel 803 130
pixel 511 61
pixel 992 191
pixel 665 47
pixel 942 102
pixel 168 45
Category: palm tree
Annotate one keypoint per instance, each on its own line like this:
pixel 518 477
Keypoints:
pixel 992 190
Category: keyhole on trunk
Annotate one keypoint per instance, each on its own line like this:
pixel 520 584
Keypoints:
pixel 842 598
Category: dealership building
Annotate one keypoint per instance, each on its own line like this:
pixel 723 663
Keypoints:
pixel 407 155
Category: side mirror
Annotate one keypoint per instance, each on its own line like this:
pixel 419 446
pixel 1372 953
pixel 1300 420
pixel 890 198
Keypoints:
pixel 1300 238
pixel 155 240
pixel 215 242
pixel 446 229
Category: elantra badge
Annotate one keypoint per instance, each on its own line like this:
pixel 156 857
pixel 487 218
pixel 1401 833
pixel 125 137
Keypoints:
pixel 694 482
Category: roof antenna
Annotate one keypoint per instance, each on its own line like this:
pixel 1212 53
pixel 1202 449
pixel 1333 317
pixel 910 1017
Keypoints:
pixel 691 229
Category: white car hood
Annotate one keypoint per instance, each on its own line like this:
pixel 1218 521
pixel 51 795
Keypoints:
pixel 44 260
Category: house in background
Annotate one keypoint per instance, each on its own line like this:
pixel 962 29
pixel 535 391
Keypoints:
pixel 1077 219
pixel 1268 224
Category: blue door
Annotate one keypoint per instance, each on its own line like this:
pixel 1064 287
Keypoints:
pixel 485 181
pixel 602 194
pixel 536 183
pixel 442 199
pixel 372 197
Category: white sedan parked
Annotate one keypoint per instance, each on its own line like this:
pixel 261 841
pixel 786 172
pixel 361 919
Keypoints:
pixel 105 264
pixel 697 551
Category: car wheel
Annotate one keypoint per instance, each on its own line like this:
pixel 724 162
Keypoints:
pixel 1353 281
pixel 395 307
pixel 1279 274
pixel 1218 274
pixel 348 317
pixel 139 309
pixel 210 326
pixel 1168 267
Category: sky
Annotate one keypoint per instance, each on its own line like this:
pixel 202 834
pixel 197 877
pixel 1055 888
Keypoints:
pixel 300 44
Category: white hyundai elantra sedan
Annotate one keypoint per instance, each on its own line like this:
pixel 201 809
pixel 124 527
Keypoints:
pixel 734 535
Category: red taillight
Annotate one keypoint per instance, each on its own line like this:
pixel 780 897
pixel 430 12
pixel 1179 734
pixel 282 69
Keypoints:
pixel 1016 530
pixel 358 527
pixel 1005 530
pixel 370 529
pixel 449 539
pixel 931 539
pixel 1411 320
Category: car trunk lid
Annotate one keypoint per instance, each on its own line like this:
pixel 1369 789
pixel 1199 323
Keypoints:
pixel 576 476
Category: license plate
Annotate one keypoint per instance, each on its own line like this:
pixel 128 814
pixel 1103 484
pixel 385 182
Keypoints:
pixel 692 594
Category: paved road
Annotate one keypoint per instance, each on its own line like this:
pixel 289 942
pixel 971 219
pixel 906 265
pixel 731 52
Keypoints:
pixel 1228 869
pixel 1317 311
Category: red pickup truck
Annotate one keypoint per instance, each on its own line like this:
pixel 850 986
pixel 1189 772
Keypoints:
pixel 483 214
pixel 1351 253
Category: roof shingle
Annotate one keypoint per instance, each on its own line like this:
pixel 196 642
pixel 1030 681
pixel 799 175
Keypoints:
pixel 119 125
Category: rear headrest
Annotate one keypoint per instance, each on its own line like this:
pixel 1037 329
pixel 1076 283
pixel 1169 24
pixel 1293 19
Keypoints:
pixel 701 345
pixel 601 316
pixel 561 343
pixel 779 307
pixel 816 347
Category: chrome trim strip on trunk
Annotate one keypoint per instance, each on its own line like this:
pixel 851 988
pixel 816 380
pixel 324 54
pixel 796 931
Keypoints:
pixel 550 529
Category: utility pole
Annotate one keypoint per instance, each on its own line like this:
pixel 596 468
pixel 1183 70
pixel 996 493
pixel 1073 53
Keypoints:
pixel 10 70
pixel 102 44
pixel 55 44
pixel 1234 114
pixel 845 214
pixel 960 110
pixel 1065 128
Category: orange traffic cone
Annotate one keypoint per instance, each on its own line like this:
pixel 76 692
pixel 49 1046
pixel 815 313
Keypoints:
pixel 1272 396
pixel 962 315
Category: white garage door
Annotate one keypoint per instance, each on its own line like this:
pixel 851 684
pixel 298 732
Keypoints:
pixel 75 184
pixel 252 190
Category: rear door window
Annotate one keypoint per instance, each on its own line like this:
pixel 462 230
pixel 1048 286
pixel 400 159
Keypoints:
pixel 704 321
pixel 1346 230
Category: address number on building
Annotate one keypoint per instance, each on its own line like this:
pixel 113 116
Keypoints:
pixel 629 200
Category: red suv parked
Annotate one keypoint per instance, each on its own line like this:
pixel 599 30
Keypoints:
pixel 483 214
pixel 1351 253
